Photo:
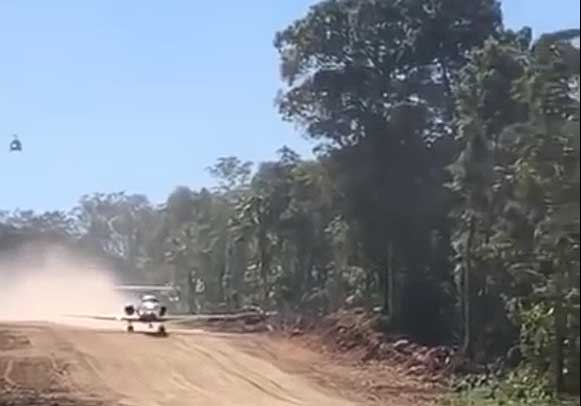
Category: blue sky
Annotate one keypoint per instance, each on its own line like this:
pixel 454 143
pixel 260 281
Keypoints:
pixel 143 95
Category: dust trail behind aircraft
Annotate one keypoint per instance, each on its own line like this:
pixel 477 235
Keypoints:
pixel 44 283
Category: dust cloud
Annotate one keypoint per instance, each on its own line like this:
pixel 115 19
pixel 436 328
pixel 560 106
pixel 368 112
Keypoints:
pixel 47 283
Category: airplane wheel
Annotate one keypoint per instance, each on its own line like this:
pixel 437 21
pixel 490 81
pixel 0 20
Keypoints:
pixel 161 330
pixel 130 329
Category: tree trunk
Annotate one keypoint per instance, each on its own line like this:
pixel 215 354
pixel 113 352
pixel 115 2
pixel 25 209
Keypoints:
pixel 238 271
pixel 394 299
pixel 390 300
pixel 369 276
pixel 467 288
pixel 305 267
pixel 311 279
pixel 448 89
pixel 227 277
pixel 264 264
pixel 191 294
pixel 560 327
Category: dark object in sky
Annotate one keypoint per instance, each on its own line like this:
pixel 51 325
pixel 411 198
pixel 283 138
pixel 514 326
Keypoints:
pixel 15 145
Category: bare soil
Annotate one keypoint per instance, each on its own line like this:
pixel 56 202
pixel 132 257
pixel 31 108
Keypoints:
pixel 65 365
pixel 34 370
pixel 50 360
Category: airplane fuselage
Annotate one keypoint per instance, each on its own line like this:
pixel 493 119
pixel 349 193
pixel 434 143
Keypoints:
pixel 149 312
pixel 148 317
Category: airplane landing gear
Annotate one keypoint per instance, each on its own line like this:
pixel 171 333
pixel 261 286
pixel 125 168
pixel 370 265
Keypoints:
pixel 161 330
pixel 130 329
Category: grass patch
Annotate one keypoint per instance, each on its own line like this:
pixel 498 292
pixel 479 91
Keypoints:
pixel 484 397
pixel 520 387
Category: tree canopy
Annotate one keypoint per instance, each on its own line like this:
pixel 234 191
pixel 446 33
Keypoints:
pixel 445 189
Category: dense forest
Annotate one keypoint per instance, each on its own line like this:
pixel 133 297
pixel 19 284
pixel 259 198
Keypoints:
pixel 445 190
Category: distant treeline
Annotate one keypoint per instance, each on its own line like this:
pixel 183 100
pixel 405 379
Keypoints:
pixel 445 189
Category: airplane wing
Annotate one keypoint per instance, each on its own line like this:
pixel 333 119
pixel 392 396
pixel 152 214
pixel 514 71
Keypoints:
pixel 219 317
pixel 104 317
pixel 178 318
pixel 135 319
pixel 146 288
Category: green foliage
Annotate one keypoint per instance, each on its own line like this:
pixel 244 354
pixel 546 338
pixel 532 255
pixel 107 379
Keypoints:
pixel 522 387
pixel 231 173
pixel 372 80
pixel 517 180
pixel 537 334
pixel 446 189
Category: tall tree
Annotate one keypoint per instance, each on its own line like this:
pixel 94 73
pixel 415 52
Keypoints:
pixel 117 225
pixel 372 81
pixel 546 179
pixel 485 107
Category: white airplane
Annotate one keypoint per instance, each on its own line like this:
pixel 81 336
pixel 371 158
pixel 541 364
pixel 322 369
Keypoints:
pixel 148 311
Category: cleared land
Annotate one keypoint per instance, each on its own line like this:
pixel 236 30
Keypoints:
pixel 50 364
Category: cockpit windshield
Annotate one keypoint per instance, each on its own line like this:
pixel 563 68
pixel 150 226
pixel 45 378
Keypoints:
pixel 149 299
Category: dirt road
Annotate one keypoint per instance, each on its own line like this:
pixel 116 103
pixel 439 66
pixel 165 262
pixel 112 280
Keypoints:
pixel 80 366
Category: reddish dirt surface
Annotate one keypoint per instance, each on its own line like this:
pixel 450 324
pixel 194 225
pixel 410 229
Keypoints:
pixel 64 361
pixel 48 364
pixel 372 383
pixel 34 370
pixel 390 370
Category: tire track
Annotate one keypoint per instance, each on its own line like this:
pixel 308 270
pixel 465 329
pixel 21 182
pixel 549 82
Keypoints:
pixel 244 374
pixel 180 370
pixel 8 372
